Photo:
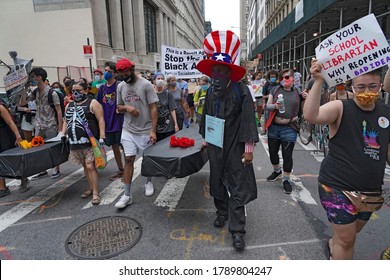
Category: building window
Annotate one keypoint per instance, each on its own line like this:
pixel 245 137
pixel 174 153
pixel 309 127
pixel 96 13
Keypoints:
pixel 109 23
pixel 150 27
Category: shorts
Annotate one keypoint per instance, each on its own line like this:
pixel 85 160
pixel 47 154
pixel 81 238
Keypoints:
pixel 47 133
pixel 134 144
pixel 113 138
pixel 26 126
pixel 339 208
pixel 82 156
pixel 190 100
pixel 282 132
pixel 259 101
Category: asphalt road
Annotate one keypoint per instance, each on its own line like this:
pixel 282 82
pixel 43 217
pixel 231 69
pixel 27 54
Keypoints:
pixel 177 221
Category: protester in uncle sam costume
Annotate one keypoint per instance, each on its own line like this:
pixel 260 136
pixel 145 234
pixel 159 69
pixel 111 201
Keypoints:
pixel 229 128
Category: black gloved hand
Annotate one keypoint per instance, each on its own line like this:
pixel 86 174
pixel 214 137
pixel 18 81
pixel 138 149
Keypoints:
pixel 63 139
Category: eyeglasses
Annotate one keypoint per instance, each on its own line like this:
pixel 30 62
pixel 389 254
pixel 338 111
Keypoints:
pixel 371 87
pixel 286 77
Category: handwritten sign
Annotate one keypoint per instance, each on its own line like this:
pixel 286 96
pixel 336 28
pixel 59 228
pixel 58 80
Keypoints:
pixel 353 51
pixel 16 78
pixel 180 62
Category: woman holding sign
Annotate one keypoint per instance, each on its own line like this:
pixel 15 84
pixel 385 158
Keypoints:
pixel 353 170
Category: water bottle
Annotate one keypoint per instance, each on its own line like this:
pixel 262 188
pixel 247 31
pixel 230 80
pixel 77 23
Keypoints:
pixel 281 102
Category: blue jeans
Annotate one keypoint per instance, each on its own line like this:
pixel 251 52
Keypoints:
pixel 282 133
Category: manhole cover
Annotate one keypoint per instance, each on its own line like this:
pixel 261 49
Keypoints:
pixel 103 238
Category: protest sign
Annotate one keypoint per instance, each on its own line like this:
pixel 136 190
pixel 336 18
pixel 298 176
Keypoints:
pixel 353 51
pixel 15 78
pixel 180 62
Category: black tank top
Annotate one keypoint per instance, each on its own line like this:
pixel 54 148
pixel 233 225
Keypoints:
pixel 78 138
pixel 358 152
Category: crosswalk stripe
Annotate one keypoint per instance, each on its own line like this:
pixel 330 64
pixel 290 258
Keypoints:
pixel 21 210
pixel 171 193
pixel 113 190
pixel 303 194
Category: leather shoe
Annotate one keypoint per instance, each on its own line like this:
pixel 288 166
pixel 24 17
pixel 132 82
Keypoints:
pixel 220 221
pixel 238 242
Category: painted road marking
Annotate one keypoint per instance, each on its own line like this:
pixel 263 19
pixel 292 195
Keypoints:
pixel 303 194
pixel 21 210
pixel 171 193
pixel 113 190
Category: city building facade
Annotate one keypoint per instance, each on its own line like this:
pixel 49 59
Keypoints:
pixel 53 32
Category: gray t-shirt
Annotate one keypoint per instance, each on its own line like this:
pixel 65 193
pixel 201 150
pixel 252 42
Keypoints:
pixel 177 95
pixel 139 95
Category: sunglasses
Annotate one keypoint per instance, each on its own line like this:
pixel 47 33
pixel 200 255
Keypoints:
pixel 287 77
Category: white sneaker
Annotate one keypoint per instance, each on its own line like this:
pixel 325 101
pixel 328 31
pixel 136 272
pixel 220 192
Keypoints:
pixel 149 189
pixel 124 201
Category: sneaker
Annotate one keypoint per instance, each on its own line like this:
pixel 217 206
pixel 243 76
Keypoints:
pixel 5 192
pixel 24 185
pixel 287 187
pixel 124 201
pixel 55 174
pixel 149 189
pixel 274 176
pixel 38 176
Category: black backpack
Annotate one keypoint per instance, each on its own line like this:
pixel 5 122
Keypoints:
pixel 51 103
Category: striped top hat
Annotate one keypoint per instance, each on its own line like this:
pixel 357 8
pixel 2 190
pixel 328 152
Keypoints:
pixel 222 47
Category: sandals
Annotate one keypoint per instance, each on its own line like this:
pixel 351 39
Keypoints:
pixel 86 194
pixel 117 175
pixel 96 199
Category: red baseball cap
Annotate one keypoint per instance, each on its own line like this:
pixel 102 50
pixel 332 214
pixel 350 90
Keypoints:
pixel 98 70
pixel 124 64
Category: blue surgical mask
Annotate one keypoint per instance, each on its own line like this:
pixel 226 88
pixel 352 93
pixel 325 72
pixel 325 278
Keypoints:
pixel 107 75
pixel 97 78
pixel 33 82
pixel 205 87
pixel 272 80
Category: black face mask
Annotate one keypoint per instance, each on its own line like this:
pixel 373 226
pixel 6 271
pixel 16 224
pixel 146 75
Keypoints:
pixel 219 82
pixel 79 96
pixel 129 79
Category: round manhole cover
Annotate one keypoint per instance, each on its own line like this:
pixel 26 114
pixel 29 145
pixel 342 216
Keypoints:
pixel 103 238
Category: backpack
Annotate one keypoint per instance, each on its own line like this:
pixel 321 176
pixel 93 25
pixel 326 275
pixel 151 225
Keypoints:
pixel 51 103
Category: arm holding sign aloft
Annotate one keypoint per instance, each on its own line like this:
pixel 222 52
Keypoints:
pixel 329 113
pixel 386 82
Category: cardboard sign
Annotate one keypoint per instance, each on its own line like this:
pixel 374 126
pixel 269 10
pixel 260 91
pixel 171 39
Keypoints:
pixel 16 78
pixel 353 51
pixel 180 62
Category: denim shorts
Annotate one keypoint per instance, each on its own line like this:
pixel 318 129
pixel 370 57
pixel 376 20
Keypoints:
pixel 339 208
pixel 282 132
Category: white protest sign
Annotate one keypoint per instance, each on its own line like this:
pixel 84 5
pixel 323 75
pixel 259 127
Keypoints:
pixel 180 62
pixel 16 78
pixel 353 51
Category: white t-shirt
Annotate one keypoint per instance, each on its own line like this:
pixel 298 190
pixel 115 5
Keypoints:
pixel 139 95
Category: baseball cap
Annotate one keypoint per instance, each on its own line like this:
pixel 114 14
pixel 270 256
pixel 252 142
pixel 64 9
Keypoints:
pixel 124 64
pixel 98 70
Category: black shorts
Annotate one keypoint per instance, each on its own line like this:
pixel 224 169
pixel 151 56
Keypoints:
pixel 113 138
pixel 190 100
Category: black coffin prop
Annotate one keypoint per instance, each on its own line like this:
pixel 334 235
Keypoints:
pixel 20 163
pixel 162 160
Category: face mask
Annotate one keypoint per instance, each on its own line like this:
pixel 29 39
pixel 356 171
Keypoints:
pixel 97 78
pixel 219 81
pixel 57 90
pixel 172 84
pixel 205 87
pixel 367 98
pixel 272 79
pixel 160 83
pixel 130 79
pixel 107 75
pixel 33 83
pixel 79 96
pixel 340 87
pixel 287 83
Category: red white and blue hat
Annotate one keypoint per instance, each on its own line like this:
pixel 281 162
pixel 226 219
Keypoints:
pixel 222 47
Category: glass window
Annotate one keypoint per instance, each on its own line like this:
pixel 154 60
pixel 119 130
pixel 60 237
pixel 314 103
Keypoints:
pixel 150 27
